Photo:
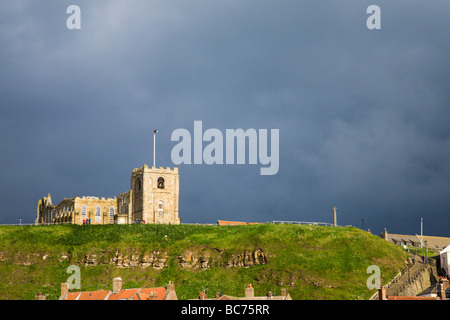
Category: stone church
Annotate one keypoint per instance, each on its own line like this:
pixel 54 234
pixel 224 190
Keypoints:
pixel 152 198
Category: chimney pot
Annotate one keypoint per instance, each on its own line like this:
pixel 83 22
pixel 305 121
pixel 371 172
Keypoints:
pixel 153 296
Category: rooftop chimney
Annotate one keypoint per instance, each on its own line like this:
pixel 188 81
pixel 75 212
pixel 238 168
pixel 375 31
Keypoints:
pixel 153 296
pixel 444 282
pixel 117 284
pixel 64 289
pixel 40 296
pixel 202 296
pixel 269 295
pixel 382 293
pixel 283 292
pixel 171 294
pixel 170 286
pixel 442 291
pixel 249 291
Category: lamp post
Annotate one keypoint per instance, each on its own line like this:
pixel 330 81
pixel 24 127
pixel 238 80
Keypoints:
pixel 154 147
pixel 20 221
pixel 421 232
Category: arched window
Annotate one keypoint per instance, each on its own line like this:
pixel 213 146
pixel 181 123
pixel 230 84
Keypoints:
pixel 83 213
pixel 137 184
pixel 161 208
pixel 161 183
pixel 98 214
pixel 111 215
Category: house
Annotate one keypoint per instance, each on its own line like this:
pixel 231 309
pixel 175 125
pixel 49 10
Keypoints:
pixel 117 293
pixel 249 295
pixel 445 259
pixel 430 242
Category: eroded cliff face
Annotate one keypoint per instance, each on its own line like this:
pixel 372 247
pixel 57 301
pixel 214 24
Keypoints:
pixel 192 258
pixel 221 258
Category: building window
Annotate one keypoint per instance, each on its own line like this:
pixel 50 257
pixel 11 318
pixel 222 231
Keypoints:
pixel 111 215
pixel 137 185
pixel 83 213
pixel 98 213
pixel 161 183
pixel 161 208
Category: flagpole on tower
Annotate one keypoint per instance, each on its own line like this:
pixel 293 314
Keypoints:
pixel 154 147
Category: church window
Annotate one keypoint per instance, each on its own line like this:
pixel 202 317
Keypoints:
pixel 83 213
pixel 98 212
pixel 161 208
pixel 161 183
pixel 111 215
pixel 137 184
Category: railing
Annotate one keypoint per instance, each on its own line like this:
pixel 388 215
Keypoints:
pixel 375 296
pixel 302 222
pixel 192 223
pixel 34 224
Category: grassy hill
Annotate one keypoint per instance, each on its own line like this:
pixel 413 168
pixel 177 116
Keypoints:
pixel 311 262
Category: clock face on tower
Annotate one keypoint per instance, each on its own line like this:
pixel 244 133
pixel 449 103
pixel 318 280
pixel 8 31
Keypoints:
pixel 160 183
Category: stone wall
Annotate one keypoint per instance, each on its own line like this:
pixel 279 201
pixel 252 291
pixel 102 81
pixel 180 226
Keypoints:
pixel 95 204
pixel 419 279
pixel 195 258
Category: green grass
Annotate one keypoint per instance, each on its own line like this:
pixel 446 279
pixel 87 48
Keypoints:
pixel 311 262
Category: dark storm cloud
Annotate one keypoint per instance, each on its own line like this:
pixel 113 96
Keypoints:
pixel 362 114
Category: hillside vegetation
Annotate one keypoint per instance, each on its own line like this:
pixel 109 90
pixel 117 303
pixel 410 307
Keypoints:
pixel 311 262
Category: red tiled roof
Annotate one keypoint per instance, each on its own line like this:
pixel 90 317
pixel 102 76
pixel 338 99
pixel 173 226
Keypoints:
pixel 87 295
pixel 124 294
pixel 233 223
pixel 160 292
pixel 411 298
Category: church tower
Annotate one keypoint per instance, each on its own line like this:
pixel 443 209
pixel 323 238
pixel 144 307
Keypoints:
pixel 155 194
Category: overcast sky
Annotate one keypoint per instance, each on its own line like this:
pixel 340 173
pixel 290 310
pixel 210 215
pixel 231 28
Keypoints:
pixel 363 115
